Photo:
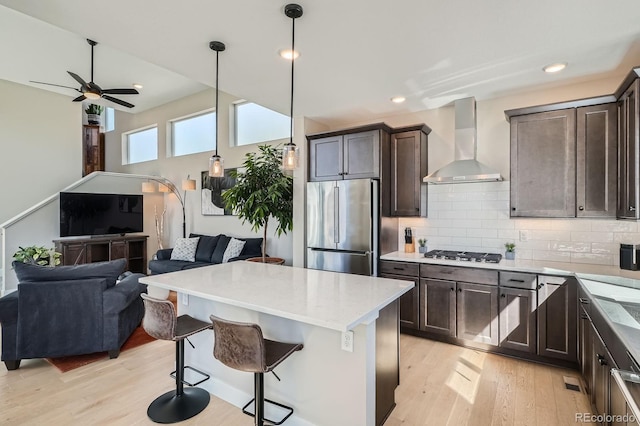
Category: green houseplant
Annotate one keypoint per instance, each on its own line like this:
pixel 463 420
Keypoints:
pixel 263 191
pixel 37 255
pixel 510 252
pixel 93 113
pixel 422 245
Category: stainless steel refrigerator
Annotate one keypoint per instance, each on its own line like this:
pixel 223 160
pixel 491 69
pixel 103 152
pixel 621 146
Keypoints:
pixel 343 225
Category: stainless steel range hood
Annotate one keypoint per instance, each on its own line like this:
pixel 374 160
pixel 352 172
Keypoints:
pixel 465 167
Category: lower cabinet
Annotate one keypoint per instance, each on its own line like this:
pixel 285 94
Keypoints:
pixel 601 365
pixel 518 319
pixel 477 313
pixel 585 348
pixel 410 301
pixel 557 317
pixel 438 306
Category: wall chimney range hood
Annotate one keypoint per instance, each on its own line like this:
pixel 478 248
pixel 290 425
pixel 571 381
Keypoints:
pixel 465 168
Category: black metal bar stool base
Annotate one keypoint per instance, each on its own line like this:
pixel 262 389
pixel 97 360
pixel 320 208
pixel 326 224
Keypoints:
pixel 172 408
pixel 249 410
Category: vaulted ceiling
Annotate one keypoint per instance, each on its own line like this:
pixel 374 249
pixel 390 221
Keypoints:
pixel 355 54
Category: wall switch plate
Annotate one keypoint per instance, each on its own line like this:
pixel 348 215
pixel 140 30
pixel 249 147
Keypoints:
pixel 524 236
pixel 185 299
pixel 347 341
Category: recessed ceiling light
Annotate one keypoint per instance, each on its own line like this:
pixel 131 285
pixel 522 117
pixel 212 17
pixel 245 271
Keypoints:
pixel 137 86
pixel 551 68
pixel 286 54
pixel 398 99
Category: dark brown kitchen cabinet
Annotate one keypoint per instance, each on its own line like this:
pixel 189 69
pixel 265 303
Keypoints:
pixel 543 152
pixel 133 248
pixel 92 149
pixel 628 151
pixel 517 319
pixel 601 364
pixel 348 154
pixel 557 317
pixel 596 161
pixel 585 344
pixel 563 160
pixel 477 313
pixel 438 306
pixel 410 301
pixel 408 159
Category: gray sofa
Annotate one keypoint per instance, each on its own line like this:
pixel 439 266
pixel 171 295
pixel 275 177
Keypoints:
pixel 210 251
pixel 69 310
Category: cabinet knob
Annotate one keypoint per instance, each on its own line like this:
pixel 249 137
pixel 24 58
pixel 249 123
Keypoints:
pixel 503 295
pixel 513 209
pixel 632 209
pixel 540 286
pixel 581 208
pixel 453 289
pixel 459 290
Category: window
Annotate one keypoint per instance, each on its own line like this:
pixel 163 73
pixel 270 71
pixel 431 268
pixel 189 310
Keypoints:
pixel 196 133
pixel 109 119
pixel 255 123
pixel 141 145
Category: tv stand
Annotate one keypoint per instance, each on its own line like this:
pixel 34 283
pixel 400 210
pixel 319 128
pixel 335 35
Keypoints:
pixel 76 251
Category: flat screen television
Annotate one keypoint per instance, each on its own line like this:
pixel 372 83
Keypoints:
pixel 87 214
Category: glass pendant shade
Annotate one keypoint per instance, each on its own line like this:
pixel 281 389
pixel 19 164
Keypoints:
pixel 216 166
pixel 290 157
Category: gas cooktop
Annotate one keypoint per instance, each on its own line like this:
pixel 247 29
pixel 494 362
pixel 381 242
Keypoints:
pixel 468 256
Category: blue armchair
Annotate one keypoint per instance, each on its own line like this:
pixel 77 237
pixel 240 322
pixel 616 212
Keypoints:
pixel 69 310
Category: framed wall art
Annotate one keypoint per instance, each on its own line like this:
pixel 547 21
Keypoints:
pixel 212 190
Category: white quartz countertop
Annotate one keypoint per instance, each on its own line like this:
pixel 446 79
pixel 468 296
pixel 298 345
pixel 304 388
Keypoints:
pixel 327 299
pixel 602 273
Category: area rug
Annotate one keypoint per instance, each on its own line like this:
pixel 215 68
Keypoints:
pixel 139 337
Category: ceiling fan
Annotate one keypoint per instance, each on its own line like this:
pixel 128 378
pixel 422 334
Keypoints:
pixel 91 90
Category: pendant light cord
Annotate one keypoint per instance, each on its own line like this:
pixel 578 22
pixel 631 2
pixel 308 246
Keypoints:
pixel 293 60
pixel 217 118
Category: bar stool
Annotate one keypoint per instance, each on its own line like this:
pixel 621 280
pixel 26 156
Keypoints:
pixel 241 346
pixel 160 321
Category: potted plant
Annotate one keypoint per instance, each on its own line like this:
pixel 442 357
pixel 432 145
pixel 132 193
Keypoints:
pixel 510 252
pixel 422 245
pixel 37 256
pixel 262 191
pixel 93 113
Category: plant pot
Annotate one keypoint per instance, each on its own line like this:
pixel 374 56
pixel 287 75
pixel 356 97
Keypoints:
pixel 510 255
pixel 271 260
pixel 422 249
pixel 93 118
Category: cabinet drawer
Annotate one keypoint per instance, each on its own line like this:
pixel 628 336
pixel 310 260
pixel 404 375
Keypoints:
pixel 454 273
pixel 399 268
pixel 518 280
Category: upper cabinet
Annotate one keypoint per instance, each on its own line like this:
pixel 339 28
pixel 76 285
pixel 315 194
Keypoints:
pixel 348 154
pixel 628 147
pixel 408 162
pixel 563 159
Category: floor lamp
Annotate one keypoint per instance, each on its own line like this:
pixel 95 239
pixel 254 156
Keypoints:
pixel 165 185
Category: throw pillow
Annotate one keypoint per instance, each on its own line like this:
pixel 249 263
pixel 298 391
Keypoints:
pixel 234 248
pixel 35 273
pixel 185 249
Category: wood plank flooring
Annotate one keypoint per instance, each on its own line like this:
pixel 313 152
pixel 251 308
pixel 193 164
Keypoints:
pixel 441 384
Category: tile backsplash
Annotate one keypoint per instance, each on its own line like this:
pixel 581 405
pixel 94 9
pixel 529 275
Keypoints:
pixel 475 217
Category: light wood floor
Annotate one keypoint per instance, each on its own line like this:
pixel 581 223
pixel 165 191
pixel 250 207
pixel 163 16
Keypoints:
pixel 440 385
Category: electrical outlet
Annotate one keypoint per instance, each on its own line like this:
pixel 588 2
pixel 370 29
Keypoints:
pixel 524 236
pixel 347 341
pixel 185 299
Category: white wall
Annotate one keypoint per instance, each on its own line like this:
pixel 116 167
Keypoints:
pixel 177 168
pixel 476 216
pixel 40 145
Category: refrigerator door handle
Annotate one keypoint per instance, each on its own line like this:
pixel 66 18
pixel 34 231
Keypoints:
pixel 350 252
pixel 336 215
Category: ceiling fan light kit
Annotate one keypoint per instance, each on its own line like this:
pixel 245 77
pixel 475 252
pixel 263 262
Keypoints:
pixel 91 90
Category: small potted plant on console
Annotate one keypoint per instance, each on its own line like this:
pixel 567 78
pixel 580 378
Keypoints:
pixel 510 253
pixel 422 245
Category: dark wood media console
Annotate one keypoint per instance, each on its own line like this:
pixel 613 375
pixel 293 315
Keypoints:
pixel 79 250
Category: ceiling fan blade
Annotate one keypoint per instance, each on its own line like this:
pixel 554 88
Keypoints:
pixel 118 101
pixel 77 78
pixel 121 91
pixel 94 86
pixel 79 98
pixel 51 84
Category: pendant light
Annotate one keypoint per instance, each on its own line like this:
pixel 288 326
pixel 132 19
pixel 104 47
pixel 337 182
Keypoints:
pixel 290 153
pixel 216 163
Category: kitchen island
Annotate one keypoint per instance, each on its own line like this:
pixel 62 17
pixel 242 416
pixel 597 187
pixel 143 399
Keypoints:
pixel 324 383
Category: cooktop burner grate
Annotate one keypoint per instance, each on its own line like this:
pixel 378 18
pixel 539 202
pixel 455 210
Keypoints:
pixel 468 256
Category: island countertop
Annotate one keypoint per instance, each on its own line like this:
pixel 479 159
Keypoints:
pixel 326 299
